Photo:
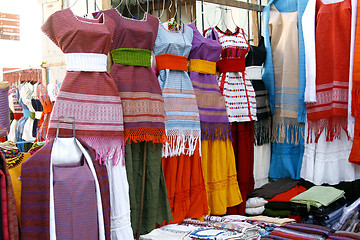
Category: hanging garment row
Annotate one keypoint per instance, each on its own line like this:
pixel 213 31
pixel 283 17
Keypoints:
pixel 149 131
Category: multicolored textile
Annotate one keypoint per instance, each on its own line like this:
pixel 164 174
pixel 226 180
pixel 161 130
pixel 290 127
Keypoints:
pixel 35 177
pixel 237 90
pixel 101 128
pixel 11 207
pixel 300 231
pixel 4 213
pixel 329 113
pixel 341 235
pixel 182 120
pixel 138 86
pixel 4 110
pixel 43 96
pixel 16 109
pixel 213 117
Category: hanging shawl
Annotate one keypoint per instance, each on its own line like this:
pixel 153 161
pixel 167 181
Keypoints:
pixel 355 101
pixel 213 117
pixel 4 110
pixel 35 177
pixel 26 96
pixel 43 96
pixel 17 110
pixel 286 88
pixel 329 113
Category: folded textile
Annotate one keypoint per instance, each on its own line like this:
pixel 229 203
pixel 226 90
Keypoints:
pixel 276 213
pixel 318 196
pixel 250 231
pixel 286 196
pixel 300 231
pixel 216 234
pixel 342 235
pixel 349 213
pixel 278 205
pixel 272 189
pixel 277 221
pixel 254 210
pixel 255 202
pixel 169 232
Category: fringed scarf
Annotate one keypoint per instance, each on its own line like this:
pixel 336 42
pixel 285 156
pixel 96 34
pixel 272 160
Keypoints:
pixel 355 100
pixel 330 113
pixel 211 104
pixel 35 193
pixel 182 120
pixel 281 74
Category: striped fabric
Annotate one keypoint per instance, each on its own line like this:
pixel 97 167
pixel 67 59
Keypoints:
pixel 35 193
pixel 330 112
pixel 237 90
pixel 12 219
pixel 4 110
pixel 213 117
pixel 43 96
pixel 17 110
pixel 138 87
pixel 182 120
pixel 90 97
pixel 300 231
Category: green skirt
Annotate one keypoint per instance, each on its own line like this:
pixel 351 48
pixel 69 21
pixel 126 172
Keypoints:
pixel 156 208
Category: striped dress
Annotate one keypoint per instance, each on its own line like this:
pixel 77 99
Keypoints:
pixel 89 96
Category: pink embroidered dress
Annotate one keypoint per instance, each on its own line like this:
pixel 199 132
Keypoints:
pixel 88 93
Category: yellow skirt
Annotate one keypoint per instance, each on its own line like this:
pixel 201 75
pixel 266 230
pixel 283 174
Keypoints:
pixel 219 169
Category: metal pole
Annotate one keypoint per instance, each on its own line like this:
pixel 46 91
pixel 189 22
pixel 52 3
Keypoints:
pixel 202 15
pixel 159 8
pixel 191 10
pixel 180 11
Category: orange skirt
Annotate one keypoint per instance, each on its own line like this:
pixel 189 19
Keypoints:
pixel 185 186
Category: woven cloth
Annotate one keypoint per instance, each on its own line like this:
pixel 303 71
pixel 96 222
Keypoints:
pixel 16 109
pixel 43 96
pixel 35 177
pixel 4 110
pixel 329 113
pixel 182 120
pixel 237 90
pixel 138 86
pixel 89 97
pixel 211 104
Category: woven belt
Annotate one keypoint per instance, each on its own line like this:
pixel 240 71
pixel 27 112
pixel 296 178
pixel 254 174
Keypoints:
pixel 17 116
pixel 86 62
pixel 32 115
pixel 132 56
pixel 231 65
pixel 202 66
pixel 26 113
pixel 170 61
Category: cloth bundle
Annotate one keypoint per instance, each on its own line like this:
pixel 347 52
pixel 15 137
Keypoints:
pixel 255 206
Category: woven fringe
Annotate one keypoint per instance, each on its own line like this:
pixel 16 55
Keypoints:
pixel 331 126
pixel 262 131
pixel 215 131
pixel 181 141
pixel 156 135
pixel 287 131
pixel 107 149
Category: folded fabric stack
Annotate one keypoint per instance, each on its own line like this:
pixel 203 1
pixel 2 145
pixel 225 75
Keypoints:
pixel 300 231
pixel 343 235
pixel 255 206
pixel 349 220
pixel 278 195
pixel 217 234
pixel 323 205
pixel 170 232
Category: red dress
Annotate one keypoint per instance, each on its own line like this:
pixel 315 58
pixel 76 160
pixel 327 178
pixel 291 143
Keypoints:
pixel 88 93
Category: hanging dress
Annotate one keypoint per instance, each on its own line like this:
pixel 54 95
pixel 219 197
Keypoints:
pixel 262 149
pixel 38 110
pixel 216 147
pixel 240 105
pixel 26 95
pixel 88 92
pixel 281 77
pixel 326 161
pixel 181 155
pixel 23 119
pixel 16 109
pixel 143 107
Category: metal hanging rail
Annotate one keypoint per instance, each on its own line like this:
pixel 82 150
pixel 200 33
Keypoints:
pixel 238 4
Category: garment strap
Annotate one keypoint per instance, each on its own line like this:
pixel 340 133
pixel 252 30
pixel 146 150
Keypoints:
pixel 32 115
pixel 132 56
pixel 170 61
pixel 202 66
pixel 86 62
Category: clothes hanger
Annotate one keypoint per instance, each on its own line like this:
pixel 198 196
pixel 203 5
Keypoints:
pixel 163 10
